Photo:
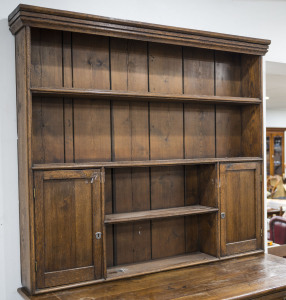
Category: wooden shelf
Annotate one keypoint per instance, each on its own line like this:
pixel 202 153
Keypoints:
pixel 134 96
pixel 158 214
pixel 143 163
pixel 159 265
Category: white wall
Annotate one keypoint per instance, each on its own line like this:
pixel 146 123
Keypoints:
pixel 256 18
pixel 276 118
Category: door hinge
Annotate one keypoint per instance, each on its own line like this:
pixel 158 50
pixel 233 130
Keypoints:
pixel 36 266
pixel 34 193
pixel 261 232
pixel 260 178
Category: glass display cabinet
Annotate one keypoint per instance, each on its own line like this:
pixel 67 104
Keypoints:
pixel 275 151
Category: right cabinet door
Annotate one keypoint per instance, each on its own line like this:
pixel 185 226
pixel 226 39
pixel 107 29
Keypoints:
pixel 241 209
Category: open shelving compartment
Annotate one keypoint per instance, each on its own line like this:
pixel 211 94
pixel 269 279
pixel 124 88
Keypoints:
pixel 158 120
pixel 165 218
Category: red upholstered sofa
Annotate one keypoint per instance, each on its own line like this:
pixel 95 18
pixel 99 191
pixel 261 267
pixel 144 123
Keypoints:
pixel 278 230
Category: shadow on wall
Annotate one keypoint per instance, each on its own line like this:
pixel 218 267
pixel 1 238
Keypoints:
pixel 9 207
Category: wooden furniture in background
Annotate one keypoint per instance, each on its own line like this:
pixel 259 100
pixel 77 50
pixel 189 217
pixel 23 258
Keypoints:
pixel 140 147
pixel 275 151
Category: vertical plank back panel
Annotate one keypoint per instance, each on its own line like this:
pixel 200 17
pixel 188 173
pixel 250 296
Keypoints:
pixel 46 58
pixel 48 130
pixel 165 69
pixel 91 130
pixel 250 76
pixel 251 134
pixel 198 71
pixel 90 61
pixel 166 142
pixel 228 74
pixel 199 130
pixel 166 131
pixel 130 141
pixel 228 131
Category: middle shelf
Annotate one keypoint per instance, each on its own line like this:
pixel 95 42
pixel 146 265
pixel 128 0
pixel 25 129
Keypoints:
pixel 141 163
pixel 158 214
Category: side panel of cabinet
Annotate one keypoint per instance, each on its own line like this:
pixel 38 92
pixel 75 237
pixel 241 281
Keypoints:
pixel 67 216
pixel 241 212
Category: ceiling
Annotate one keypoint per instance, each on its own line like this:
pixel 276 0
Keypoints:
pixel 276 85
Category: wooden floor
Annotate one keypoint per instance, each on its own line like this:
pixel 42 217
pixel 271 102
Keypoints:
pixel 252 277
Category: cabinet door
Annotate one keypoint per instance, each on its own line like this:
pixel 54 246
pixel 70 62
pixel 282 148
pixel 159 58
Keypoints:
pixel 68 212
pixel 241 212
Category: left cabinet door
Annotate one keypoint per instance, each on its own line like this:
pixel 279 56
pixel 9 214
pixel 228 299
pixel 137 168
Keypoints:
pixel 68 214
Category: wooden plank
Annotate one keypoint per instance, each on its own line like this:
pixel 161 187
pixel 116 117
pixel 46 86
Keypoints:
pixel 90 61
pixel 160 265
pixel 63 277
pixel 139 96
pixel 46 58
pixel 250 76
pixel 199 134
pixel 67 60
pixel 68 103
pixel 109 210
pixel 144 163
pixel 83 23
pixel 68 130
pixel 228 131
pixel 130 141
pixel 207 183
pixel 158 214
pixel 128 65
pixel 92 140
pixel 48 131
pixel 165 69
pixel 167 190
pixel 166 131
pixel 26 206
pixel 240 247
pixel 208 234
pixel 198 71
pixel 245 278
pixel 251 131
pixel 228 74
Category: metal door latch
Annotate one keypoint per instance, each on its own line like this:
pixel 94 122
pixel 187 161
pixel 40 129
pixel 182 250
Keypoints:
pixel 98 235
pixel 222 215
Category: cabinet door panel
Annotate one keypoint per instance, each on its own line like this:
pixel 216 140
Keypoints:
pixel 67 215
pixel 241 205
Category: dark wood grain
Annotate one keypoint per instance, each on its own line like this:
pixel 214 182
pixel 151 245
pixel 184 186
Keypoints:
pixel 60 20
pixel 46 58
pixel 198 71
pixel 158 214
pixel 171 122
pixel 48 144
pixel 138 96
pixel 65 206
pixel 242 278
pixel 90 61
pixel 91 131
pixel 228 131
pixel 242 222
pixel 199 124
pixel 228 74
pixel 143 163
pixel 130 141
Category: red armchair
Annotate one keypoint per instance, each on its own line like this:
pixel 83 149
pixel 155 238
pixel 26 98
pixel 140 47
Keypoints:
pixel 278 230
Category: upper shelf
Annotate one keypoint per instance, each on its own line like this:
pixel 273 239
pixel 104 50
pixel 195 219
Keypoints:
pixel 143 163
pixel 134 96
pixel 33 16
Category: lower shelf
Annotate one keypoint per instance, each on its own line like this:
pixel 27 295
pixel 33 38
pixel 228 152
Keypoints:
pixel 159 265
